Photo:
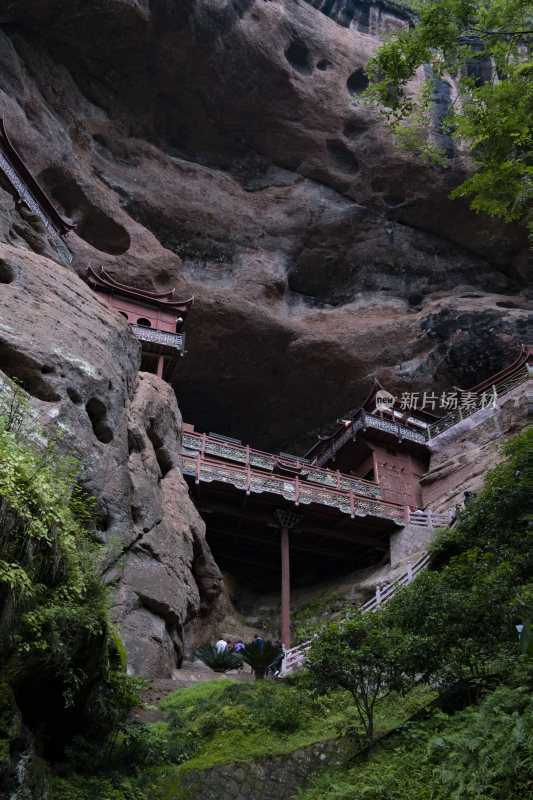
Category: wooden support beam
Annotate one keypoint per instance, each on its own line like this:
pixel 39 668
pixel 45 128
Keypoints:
pixel 264 540
pixel 303 527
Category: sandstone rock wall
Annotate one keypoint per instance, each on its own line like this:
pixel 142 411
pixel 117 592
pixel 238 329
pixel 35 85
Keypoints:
pixel 78 362
pixel 462 455
pixel 224 149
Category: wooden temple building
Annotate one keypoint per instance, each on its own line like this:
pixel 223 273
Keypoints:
pixel 328 512
pixel 333 510
pixel 17 179
pixel 156 318
pixel 382 443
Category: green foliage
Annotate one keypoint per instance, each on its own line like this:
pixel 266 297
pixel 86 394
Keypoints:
pixel 524 605
pixel 260 658
pixel 495 522
pixel 54 607
pixel 455 622
pixel 364 656
pixel 493 116
pixel 306 618
pixel 97 787
pixel 238 706
pixel 482 753
pixel 458 616
pixel 57 646
pixel 218 662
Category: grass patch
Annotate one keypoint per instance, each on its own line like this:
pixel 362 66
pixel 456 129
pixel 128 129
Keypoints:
pixel 236 722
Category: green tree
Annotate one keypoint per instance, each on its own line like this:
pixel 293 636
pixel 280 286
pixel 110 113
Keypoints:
pixel 366 657
pixel 486 46
pixel 460 612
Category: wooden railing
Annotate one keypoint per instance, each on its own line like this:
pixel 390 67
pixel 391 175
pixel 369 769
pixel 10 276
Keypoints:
pixel 175 341
pixel 293 488
pixel 478 402
pixel 362 421
pixel 205 445
pixel 295 657
pixel 428 518
pixel 28 191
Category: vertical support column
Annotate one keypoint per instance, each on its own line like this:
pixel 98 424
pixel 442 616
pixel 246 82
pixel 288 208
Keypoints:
pixel 285 589
pixel 160 365
pixel 286 520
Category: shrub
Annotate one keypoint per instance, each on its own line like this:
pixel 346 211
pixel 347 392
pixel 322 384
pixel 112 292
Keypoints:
pixel 55 633
pixel 222 661
pixel 261 657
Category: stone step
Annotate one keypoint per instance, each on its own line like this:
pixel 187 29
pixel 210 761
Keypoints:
pixel 193 666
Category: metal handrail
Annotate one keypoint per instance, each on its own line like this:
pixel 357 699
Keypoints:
pixel 295 656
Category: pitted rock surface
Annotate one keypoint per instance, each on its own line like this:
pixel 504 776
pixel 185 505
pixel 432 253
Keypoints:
pixel 78 359
pixel 224 149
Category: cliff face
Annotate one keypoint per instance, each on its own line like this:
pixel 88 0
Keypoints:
pixel 79 361
pixel 222 148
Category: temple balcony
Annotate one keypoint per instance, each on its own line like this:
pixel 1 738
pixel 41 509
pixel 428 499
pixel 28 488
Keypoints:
pixel 157 341
pixel 385 430
pixel 297 490
pixel 215 447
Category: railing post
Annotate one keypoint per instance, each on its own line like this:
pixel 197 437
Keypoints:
pixel 352 504
pixel 407 515
pixel 296 490
pixel 409 572
pixel 198 467
pixel 430 518
pixel 378 596
pixel 338 479
pixel 204 437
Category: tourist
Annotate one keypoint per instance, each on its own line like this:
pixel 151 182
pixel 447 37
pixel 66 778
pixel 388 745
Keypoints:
pixel 259 640
pixel 221 645
pixel 237 648
pixel 469 496
pixel 277 665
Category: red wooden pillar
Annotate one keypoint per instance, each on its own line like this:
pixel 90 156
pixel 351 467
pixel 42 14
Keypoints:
pixel 160 365
pixel 285 589
pixel 286 520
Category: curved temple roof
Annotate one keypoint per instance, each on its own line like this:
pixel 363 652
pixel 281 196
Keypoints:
pixel 162 300
pixel 30 184
pixel 522 359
